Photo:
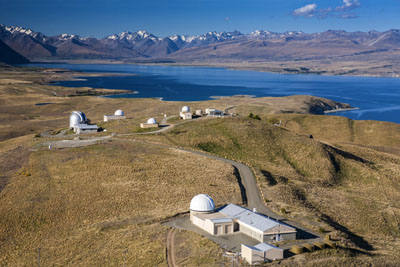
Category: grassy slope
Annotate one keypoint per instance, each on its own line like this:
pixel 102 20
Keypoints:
pixel 86 206
pixel 353 191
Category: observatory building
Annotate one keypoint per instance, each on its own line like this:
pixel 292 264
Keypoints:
pixel 79 123
pixel 185 113
pixel 214 112
pixel 118 115
pixel 151 123
pixel 233 218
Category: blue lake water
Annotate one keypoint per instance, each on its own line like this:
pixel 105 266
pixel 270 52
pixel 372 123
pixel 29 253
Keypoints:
pixel 377 98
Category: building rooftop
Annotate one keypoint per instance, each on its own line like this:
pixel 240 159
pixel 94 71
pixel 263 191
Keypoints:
pixel 221 220
pixel 86 126
pixel 250 218
pixel 264 247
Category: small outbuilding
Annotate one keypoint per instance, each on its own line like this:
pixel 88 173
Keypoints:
pixel 199 112
pixel 185 113
pixel 261 253
pixel 151 123
pixel 214 112
pixel 118 115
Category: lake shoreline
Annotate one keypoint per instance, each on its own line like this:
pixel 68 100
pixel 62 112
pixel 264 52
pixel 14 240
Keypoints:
pixel 290 70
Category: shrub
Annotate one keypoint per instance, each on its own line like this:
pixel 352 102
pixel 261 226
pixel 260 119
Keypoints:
pixel 252 116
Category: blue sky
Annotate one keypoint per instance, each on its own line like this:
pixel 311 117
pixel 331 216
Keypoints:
pixel 100 18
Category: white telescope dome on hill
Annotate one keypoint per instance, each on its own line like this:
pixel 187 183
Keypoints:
pixel 151 121
pixel 77 117
pixel 185 109
pixel 119 113
pixel 202 203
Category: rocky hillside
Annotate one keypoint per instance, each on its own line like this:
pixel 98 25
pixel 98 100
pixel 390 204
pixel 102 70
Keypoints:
pixel 9 56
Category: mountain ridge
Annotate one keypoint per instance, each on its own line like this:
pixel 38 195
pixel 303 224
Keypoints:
pixel 259 44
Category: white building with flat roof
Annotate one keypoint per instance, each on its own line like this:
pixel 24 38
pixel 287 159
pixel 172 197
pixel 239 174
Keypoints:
pixel 151 123
pixel 233 218
pixel 261 253
pixel 118 115
pixel 214 112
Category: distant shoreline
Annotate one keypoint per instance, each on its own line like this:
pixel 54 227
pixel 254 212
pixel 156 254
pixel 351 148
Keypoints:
pixel 267 67
pixel 339 110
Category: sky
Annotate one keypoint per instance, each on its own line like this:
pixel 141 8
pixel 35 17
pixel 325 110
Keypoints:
pixel 100 18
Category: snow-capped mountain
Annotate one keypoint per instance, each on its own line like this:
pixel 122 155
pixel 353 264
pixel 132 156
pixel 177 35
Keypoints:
pixel 134 36
pixel 142 44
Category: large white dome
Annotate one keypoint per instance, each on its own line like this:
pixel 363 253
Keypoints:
pixel 185 109
pixel 119 113
pixel 77 117
pixel 202 203
pixel 151 121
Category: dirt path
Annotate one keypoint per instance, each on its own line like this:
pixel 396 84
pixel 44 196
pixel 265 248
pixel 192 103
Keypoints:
pixel 171 248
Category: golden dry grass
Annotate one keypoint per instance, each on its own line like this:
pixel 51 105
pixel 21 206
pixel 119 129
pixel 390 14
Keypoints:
pixel 19 114
pixel 85 206
pixel 352 191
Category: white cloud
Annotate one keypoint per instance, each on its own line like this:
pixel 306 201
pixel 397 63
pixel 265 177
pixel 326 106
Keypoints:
pixel 306 11
pixel 342 11
pixel 348 4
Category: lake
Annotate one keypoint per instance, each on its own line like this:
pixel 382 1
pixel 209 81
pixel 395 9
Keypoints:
pixel 377 98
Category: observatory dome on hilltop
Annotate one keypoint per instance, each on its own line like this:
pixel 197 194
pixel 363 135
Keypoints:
pixel 185 109
pixel 119 113
pixel 151 121
pixel 77 117
pixel 202 203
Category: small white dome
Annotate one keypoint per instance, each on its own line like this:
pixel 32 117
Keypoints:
pixel 151 121
pixel 185 109
pixel 202 203
pixel 77 117
pixel 119 113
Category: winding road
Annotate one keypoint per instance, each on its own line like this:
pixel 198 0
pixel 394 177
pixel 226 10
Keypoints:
pixel 247 183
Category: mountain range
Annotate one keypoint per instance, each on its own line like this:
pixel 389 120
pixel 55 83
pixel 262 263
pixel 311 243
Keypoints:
pixel 258 45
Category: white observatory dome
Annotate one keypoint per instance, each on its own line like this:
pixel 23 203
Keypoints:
pixel 151 121
pixel 77 117
pixel 202 203
pixel 185 109
pixel 119 113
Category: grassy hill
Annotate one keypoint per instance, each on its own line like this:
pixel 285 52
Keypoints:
pixel 350 190
pixel 86 206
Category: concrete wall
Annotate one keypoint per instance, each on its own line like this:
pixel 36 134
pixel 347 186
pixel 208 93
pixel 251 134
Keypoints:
pixel 185 115
pixel 206 225
pixel 251 232
pixel 283 236
pixel 113 117
pixel 146 125
pixel 223 228
pixel 274 254
pixel 252 256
